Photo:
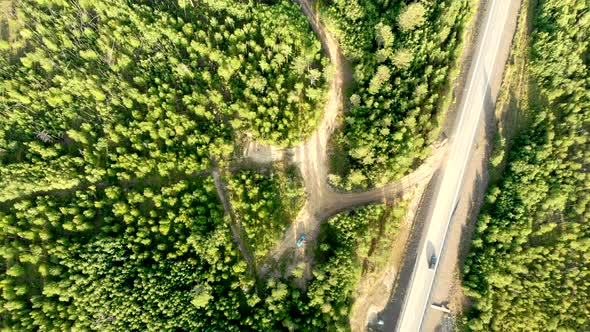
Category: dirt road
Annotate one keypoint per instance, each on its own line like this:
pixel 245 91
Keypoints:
pixel 235 228
pixel 328 202
pixel 312 160
pixel 312 156
pixel 486 68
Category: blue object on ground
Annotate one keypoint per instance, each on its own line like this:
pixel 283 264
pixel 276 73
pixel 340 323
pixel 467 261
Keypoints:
pixel 301 241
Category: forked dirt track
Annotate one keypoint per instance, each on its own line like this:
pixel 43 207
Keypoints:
pixel 311 157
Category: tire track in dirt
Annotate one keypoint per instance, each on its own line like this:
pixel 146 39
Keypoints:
pixel 233 224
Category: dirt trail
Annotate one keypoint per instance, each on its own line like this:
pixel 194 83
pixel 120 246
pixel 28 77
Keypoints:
pixel 328 202
pixel 235 227
pixel 311 156
pixel 334 202
pixel 312 159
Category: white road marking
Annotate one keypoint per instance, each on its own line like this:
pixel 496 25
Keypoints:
pixel 416 300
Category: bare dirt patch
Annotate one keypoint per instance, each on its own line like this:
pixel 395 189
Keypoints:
pixel 312 159
pixel 373 290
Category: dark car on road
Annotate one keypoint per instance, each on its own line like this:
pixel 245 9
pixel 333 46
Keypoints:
pixel 432 262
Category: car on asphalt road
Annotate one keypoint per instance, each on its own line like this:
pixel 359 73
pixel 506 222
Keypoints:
pixel 432 262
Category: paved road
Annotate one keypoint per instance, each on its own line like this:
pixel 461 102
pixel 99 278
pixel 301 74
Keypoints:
pixel 483 70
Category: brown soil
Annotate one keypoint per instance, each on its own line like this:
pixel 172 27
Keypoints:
pixel 312 159
pixel 372 293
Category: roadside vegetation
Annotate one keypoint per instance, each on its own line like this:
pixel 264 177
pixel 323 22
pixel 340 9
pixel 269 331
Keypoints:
pixel 528 266
pixel 350 245
pixel 404 57
pixel 512 102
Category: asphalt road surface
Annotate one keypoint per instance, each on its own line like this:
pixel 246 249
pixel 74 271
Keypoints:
pixel 477 89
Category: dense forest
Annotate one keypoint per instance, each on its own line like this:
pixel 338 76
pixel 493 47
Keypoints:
pixel 161 257
pixel 265 205
pixel 112 116
pixel 529 269
pixel 96 90
pixel 110 113
pixel 112 258
pixel 404 57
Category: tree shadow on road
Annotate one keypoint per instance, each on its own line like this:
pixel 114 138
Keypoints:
pixel 392 311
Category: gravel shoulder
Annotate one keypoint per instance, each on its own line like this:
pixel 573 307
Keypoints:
pixel 447 289
pixel 472 182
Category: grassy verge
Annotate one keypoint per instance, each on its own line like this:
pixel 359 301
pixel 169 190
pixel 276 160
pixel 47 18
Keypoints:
pixel 460 57
pixel 511 105
pixel 338 158
pixel 384 235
